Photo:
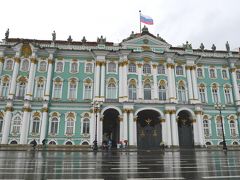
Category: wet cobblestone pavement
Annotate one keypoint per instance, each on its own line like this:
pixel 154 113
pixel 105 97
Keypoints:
pixel 113 165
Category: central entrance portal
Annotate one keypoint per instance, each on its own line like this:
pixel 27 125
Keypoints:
pixel 149 129
pixel 111 126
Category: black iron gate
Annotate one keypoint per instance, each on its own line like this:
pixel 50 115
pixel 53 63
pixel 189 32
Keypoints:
pixel 185 133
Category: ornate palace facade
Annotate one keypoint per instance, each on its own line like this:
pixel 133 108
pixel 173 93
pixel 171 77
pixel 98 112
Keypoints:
pixel 149 92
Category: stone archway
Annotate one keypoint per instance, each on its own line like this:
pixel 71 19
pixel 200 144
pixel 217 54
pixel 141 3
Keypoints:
pixel 111 126
pixel 185 129
pixel 149 129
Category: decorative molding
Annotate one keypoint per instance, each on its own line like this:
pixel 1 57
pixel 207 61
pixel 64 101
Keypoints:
pixel 232 70
pixel 198 112
pixel 34 60
pixel 26 109
pixel 17 59
pixel 2 59
pixel 45 109
pixel 9 108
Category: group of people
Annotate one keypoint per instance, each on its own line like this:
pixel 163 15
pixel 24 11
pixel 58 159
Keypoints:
pixel 107 144
pixel 34 143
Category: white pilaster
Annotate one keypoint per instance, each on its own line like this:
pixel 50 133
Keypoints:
pixel 92 128
pixel 44 123
pixel 125 126
pixel 103 84
pixel 189 82
pixel 155 83
pixel 14 78
pixel 194 83
pixel 1 65
pixel 49 79
pixel 99 129
pixel 195 133
pixel 121 128
pixel 140 86
pixel 170 84
pixel 125 82
pixel 97 80
pixel 7 123
pixel 168 140
pixel 175 140
pixel 31 81
pixel 120 86
pixel 200 129
pixel 132 129
pixel 25 123
pixel 235 86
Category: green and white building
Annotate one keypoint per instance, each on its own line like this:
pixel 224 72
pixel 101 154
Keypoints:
pixel 148 92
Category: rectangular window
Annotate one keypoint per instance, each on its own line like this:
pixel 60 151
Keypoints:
pixel 70 127
pixel 202 95
pixel 88 92
pixel 35 127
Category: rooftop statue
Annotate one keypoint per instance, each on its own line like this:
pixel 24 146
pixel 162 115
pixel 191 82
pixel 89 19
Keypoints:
pixel 213 47
pixel 202 47
pixel 227 47
pixel 145 30
pixel 84 39
pixel 69 39
pixel 7 34
pixel 54 36
pixel 187 46
pixel 132 35
pixel 101 40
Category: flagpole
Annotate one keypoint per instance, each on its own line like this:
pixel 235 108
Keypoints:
pixel 140 20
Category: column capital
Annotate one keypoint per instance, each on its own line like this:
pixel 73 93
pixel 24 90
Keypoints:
pixel 198 112
pixel 170 65
pixel 50 61
pixel 45 109
pixel 9 108
pixel 232 69
pixel 34 60
pixel 2 59
pixel 98 63
pixel 26 109
pixel 188 67
pixel 17 59
pixel 139 65
pixel 162 120
pixel 154 66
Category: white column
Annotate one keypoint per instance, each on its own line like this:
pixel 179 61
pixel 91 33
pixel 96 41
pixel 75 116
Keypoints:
pixel 155 83
pixel 170 85
pixel 189 81
pixel 103 84
pixel 49 79
pixel 31 81
pixel 44 123
pixel 96 80
pixel 200 128
pixel 195 133
pixel 175 140
pixel 25 123
pixel 14 78
pixel 120 86
pixel 1 65
pixel 99 129
pixel 125 83
pixel 125 126
pixel 234 83
pixel 7 124
pixel 92 128
pixel 132 129
pixel 140 86
pixel 121 128
pixel 173 83
pixel 168 140
pixel 164 131
pixel 194 83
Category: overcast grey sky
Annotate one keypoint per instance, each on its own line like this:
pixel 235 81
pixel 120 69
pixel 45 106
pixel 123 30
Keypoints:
pixel 207 21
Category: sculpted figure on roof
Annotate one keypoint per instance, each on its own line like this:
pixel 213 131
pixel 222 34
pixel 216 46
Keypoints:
pixel 54 36
pixel 7 34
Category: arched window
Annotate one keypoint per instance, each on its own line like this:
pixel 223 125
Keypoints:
pixel 43 66
pixel 16 125
pixel 9 64
pixel 199 72
pixel 1 124
pixel 132 68
pixel 59 67
pixel 111 91
pixel 206 128
pixel 70 126
pixel 215 93
pixel 74 67
pixel 72 89
pixel 40 88
pixel 181 93
pixel 224 74
pixel 202 93
pixel 179 70
pixel 86 126
pixel 5 86
pixel 89 68
pixel 35 125
pixel 147 92
pixel 146 69
pixel 52 143
pixel 227 94
pixel 69 143
pixel 111 67
pixel 54 126
pixel 212 73
pixel 162 91
pixel 161 69
pixel 57 89
pixel 238 74
pixel 132 92
pixel 25 65
pixel 219 126
pixel 233 128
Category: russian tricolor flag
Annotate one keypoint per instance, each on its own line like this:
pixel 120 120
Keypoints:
pixel 146 19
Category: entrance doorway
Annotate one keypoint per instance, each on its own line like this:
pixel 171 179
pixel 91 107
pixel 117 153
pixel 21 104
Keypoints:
pixel 185 129
pixel 149 129
pixel 111 126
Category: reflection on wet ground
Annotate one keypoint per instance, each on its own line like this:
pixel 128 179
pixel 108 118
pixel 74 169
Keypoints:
pixel 120 165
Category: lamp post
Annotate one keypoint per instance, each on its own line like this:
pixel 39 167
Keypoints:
pixel 96 109
pixel 220 107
